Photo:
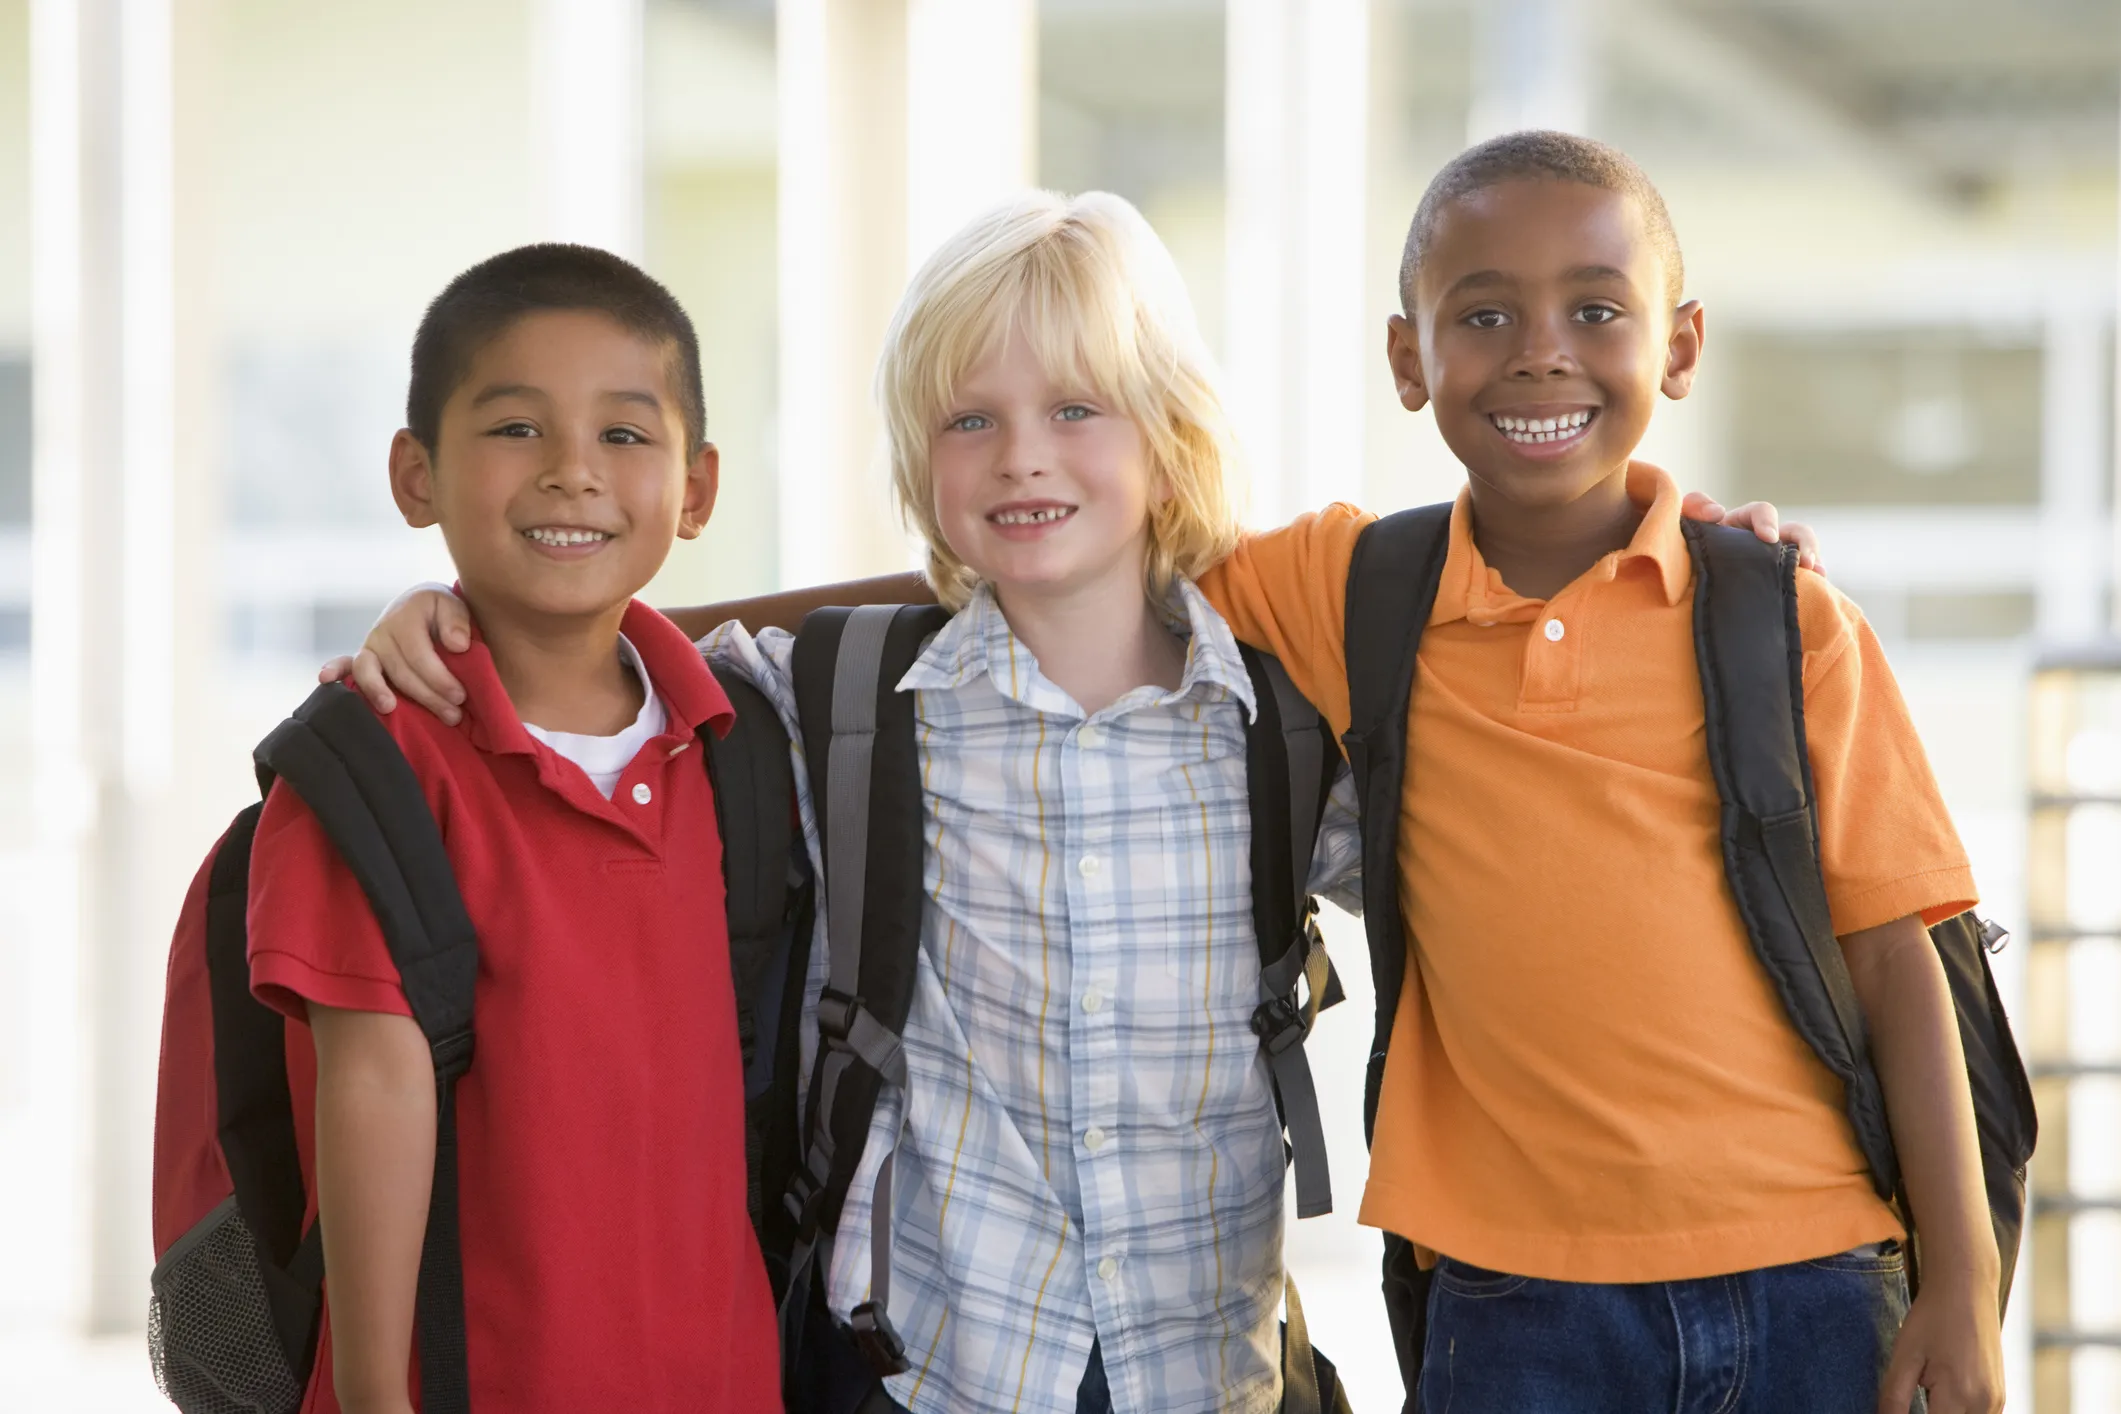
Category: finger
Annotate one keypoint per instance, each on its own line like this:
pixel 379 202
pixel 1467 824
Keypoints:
pixel 336 669
pixel 1760 517
pixel 1699 505
pixel 1896 1394
pixel 421 675
pixel 369 681
pixel 452 623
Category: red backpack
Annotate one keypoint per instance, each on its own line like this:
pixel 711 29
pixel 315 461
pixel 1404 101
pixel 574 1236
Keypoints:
pixel 237 1283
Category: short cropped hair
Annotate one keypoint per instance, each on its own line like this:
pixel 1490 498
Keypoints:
pixel 1538 155
pixel 485 301
pixel 1097 297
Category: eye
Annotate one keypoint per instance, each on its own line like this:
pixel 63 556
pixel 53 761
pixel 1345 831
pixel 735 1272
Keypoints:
pixel 970 422
pixel 1597 314
pixel 515 427
pixel 1487 319
pixel 1076 412
pixel 625 437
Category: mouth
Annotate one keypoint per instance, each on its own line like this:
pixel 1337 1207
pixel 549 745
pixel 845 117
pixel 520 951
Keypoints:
pixel 566 537
pixel 1029 520
pixel 1544 431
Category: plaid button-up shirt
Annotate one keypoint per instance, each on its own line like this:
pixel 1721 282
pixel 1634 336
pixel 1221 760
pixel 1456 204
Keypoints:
pixel 1090 1149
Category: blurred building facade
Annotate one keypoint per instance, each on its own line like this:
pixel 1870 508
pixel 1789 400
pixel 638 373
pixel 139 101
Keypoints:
pixel 228 214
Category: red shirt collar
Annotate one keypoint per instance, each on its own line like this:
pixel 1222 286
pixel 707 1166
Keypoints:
pixel 680 676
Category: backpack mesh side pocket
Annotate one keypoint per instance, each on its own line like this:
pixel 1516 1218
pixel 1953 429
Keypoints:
pixel 211 1337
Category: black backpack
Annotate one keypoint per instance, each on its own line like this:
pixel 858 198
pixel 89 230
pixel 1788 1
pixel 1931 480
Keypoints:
pixel 235 1298
pixel 1751 657
pixel 863 762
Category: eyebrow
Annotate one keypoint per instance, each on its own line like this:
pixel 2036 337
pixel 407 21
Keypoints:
pixel 1487 279
pixel 525 390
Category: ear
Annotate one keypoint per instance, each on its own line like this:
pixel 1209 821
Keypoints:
pixel 412 479
pixel 1683 355
pixel 703 482
pixel 1403 352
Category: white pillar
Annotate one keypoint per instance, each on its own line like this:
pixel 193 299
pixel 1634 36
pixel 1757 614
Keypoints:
pixel 121 521
pixel 586 97
pixel 843 223
pixel 2114 437
pixel 899 119
pixel 2071 572
pixel 1296 326
pixel 1532 66
pixel 971 112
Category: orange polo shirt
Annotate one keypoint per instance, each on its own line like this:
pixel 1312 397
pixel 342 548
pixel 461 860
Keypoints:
pixel 1591 1077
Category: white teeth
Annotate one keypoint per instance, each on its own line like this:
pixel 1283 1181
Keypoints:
pixel 1542 429
pixel 554 535
pixel 1039 517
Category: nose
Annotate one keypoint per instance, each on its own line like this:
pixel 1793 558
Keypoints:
pixel 1026 451
pixel 571 465
pixel 1543 350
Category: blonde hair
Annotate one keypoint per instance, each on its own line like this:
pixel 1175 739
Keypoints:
pixel 1095 294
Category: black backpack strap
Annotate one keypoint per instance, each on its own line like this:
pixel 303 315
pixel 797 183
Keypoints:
pixel 754 811
pixel 1751 656
pixel 255 1109
pixel 865 783
pixel 1392 583
pixel 1288 765
pixel 765 877
pixel 348 770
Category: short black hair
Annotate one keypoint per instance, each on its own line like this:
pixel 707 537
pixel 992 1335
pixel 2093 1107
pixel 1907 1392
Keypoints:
pixel 1539 155
pixel 483 302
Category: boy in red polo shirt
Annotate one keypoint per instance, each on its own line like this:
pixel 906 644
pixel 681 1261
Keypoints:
pixel 557 437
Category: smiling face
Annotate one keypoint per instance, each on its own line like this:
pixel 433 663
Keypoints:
pixel 1541 335
pixel 560 473
pixel 1042 487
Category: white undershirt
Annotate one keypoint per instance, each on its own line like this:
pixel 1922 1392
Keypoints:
pixel 605 758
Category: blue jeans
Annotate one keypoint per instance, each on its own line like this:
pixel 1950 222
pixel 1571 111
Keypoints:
pixel 1812 1336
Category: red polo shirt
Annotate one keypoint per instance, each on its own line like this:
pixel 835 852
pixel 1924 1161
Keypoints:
pixel 609 1261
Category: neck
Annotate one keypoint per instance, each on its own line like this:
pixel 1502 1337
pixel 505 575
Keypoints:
pixel 563 673
pixel 1096 643
pixel 1539 550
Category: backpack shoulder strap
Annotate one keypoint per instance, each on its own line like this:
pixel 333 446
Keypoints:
pixel 864 766
pixel 348 770
pixel 1750 652
pixel 1391 590
pixel 754 812
pixel 1287 771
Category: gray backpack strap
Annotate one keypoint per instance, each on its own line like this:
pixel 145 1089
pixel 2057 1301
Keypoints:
pixel 855 681
pixel 864 775
pixel 1286 762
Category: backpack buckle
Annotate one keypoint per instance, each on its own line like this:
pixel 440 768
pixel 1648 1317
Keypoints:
pixel 1994 936
pixel 878 1339
pixel 835 1014
pixel 452 1056
pixel 1279 1023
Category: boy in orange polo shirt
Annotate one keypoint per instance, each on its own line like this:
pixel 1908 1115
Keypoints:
pixel 1637 1179
pixel 557 438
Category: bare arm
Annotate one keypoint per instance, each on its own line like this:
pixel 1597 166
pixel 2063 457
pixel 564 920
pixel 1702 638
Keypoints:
pixel 787 608
pixel 1950 1343
pixel 375 1169
pixel 400 651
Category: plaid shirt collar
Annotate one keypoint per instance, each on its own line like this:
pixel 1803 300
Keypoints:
pixel 978 640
